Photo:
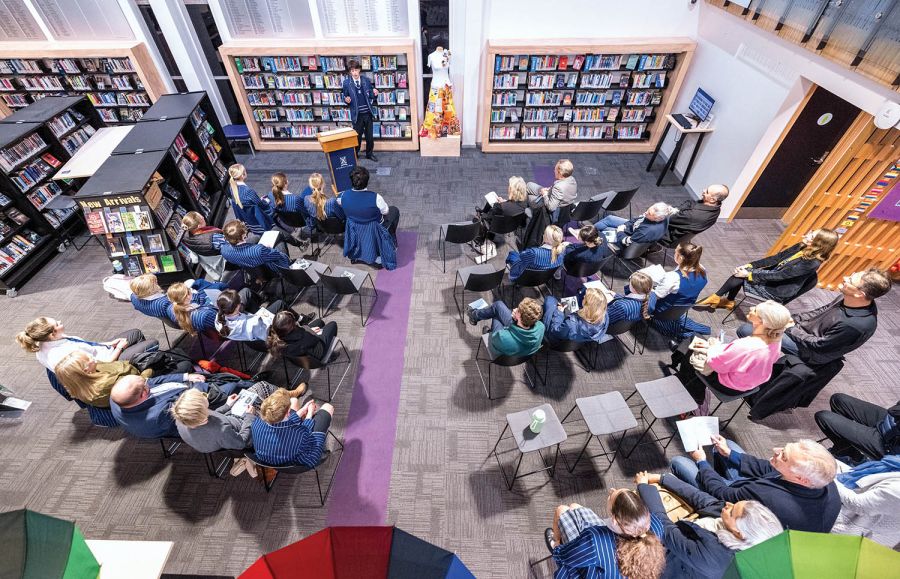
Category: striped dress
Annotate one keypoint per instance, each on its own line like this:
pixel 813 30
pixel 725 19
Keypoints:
pixel 593 554
pixel 290 441
pixel 203 318
pixel 532 258
pixel 332 208
pixel 623 308
pixel 257 214
pixel 689 288
pixel 250 255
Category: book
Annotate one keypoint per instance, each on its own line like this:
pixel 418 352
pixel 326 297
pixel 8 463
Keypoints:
pixel 151 265
pixel 269 238
pixel 143 220
pixel 132 267
pixel 579 60
pixel 597 284
pixel 655 271
pixel 155 243
pixel 245 400
pixel 492 198
pixel 697 432
pixel 563 62
pixel 114 221
pixel 115 245
pixel 95 222
pixel 135 245
pixel 129 219
pixel 570 303
pixel 168 263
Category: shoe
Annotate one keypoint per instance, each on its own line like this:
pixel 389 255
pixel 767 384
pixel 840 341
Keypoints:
pixel 673 345
pixel 477 247
pixel 306 318
pixel 710 301
pixel 726 305
pixel 372 157
pixel 470 313
pixel 548 538
pixel 299 390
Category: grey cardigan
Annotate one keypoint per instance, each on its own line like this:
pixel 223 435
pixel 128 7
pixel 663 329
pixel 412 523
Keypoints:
pixel 221 432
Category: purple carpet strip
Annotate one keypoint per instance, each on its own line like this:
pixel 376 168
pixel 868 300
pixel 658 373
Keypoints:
pixel 362 483
pixel 543 175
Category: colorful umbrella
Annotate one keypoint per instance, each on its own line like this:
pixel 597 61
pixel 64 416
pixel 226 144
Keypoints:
pixel 36 546
pixel 359 553
pixel 801 555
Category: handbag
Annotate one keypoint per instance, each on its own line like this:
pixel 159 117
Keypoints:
pixel 700 362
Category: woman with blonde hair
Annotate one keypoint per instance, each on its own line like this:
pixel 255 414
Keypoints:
pixel 190 317
pixel 515 203
pixel 255 211
pixel 46 338
pixel 781 277
pixel 738 366
pixel 626 545
pixel 547 256
pixel 588 324
pixel 90 381
pixel 318 204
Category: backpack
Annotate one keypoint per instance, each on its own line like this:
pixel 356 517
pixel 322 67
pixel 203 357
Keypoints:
pixel 117 286
pixel 163 362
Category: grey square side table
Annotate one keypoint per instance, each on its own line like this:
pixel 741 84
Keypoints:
pixel 665 398
pixel 603 414
pixel 552 434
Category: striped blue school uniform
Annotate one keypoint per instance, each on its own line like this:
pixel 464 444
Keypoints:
pixel 203 318
pixel 332 209
pixel 290 441
pixel 257 214
pixel 627 308
pixel 531 258
pixel 250 255
pixel 689 288
pixel 155 308
pixel 593 554
pixel 365 238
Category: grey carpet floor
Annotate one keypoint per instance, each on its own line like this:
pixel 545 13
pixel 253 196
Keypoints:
pixel 444 486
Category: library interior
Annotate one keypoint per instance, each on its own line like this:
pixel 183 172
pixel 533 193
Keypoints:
pixel 417 289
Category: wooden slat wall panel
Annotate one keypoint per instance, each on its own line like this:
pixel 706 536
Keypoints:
pixel 862 159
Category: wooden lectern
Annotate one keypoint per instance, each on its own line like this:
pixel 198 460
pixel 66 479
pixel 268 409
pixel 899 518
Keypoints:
pixel 339 146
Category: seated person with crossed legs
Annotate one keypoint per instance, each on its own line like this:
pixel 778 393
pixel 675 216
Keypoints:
pixel 285 433
pixel 513 333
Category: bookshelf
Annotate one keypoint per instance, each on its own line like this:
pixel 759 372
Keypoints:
pixel 34 143
pixel 167 165
pixel 290 92
pixel 119 79
pixel 580 96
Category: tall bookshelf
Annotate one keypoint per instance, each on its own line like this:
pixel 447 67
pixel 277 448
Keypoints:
pixel 170 163
pixel 119 79
pixel 34 143
pixel 580 96
pixel 289 93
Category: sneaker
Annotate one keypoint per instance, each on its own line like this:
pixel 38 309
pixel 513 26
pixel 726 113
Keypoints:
pixel 470 313
pixel 548 538
pixel 306 318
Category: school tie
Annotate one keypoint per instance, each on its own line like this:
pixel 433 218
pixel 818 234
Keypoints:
pixel 97 344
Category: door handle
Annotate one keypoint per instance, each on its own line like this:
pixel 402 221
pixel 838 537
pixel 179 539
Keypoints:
pixel 821 159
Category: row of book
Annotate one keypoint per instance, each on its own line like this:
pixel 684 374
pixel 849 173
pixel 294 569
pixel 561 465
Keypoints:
pixel 134 244
pixel 65 65
pixel 571 132
pixel 293 131
pixel 263 81
pixel 100 82
pixel 10 220
pixel 118 99
pixel 123 115
pixel 314 63
pixel 165 263
pixel 22 150
pixel 119 220
pixel 35 172
pixel 62 124
pixel 44 194
pixel 584 62
pixel 40 83
pixel 578 115
pixel 56 217
pixel 17 248
pixel 74 141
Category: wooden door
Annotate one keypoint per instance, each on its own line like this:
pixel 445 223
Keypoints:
pixel 810 139
pixel 860 172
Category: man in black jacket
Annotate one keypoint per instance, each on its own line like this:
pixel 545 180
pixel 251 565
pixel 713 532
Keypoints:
pixel 860 429
pixel 696 216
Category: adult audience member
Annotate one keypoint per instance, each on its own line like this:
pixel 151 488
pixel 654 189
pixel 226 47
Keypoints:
pixel 143 406
pixel 190 317
pixel 515 203
pixel 738 366
pixel 562 193
pixel 860 429
pixel 830 332
pixel 797 483
pixel 588 324
pixel 678 288
pixel 626 545
pixel 239 251
pixel 779 277
pixel 870 500
pixel 696 216
pixel 705 547
pixel 369 219
pixel 513 333
pixel 90 381
pixel 199 237
pixel 208 430
pixel 547 256
pixel 638 304
pixel 648 227
pixel 287 337
pixel 255 211
pixel 286 433
pixel 47 339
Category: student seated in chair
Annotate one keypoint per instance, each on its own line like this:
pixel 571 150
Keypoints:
pixel 513 333
pixel 636 305
pixel 284 433
pixel 190 317
pixel 369 218
pixel 199 237
pixel 248 206
pixel 680 287
pixel 590 248
pixel 235 321
pixel 239 251
pixel 319 205
pixel 588 324
pixel 547 256
pixel 149 299
pixel 648 227
pixel 289 338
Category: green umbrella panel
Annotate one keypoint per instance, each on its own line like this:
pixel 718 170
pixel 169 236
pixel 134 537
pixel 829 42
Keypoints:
pixel 37 546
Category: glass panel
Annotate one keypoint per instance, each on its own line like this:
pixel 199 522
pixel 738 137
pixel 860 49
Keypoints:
pixel 84 19
pixel 856 21
pixel 882 60
pixel 800 18
pixel 268 18
pixel 770 12
pixel 369 17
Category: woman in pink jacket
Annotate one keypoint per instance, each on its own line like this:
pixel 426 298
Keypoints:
pixel 740 365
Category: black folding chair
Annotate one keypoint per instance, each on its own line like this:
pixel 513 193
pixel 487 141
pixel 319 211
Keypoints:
pixel 686 238
pixel 622 327
pixel 299 469
pixel 581 270
pixel 343 285
pixel 503 225
pixel 536 279
pixel 587 210
pixel 677 314
pixel 332 227
pixel 627 256
pixel 725 397
pixel 500 360
pixel 621 200
pixel 811 282
pixel 309 363
pixel 563 347
pixel 459 233
pixel 303 279
pixel 476 278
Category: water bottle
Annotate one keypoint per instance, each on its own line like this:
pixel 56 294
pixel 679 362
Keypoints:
pixel 722 336
pixel 538 418
pixel 117 266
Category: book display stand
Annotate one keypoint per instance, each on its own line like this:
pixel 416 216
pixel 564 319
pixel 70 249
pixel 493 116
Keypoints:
pixel 34 143
pixel 119 79
pixel 578 96
pixel 290 93
pixel 173 161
